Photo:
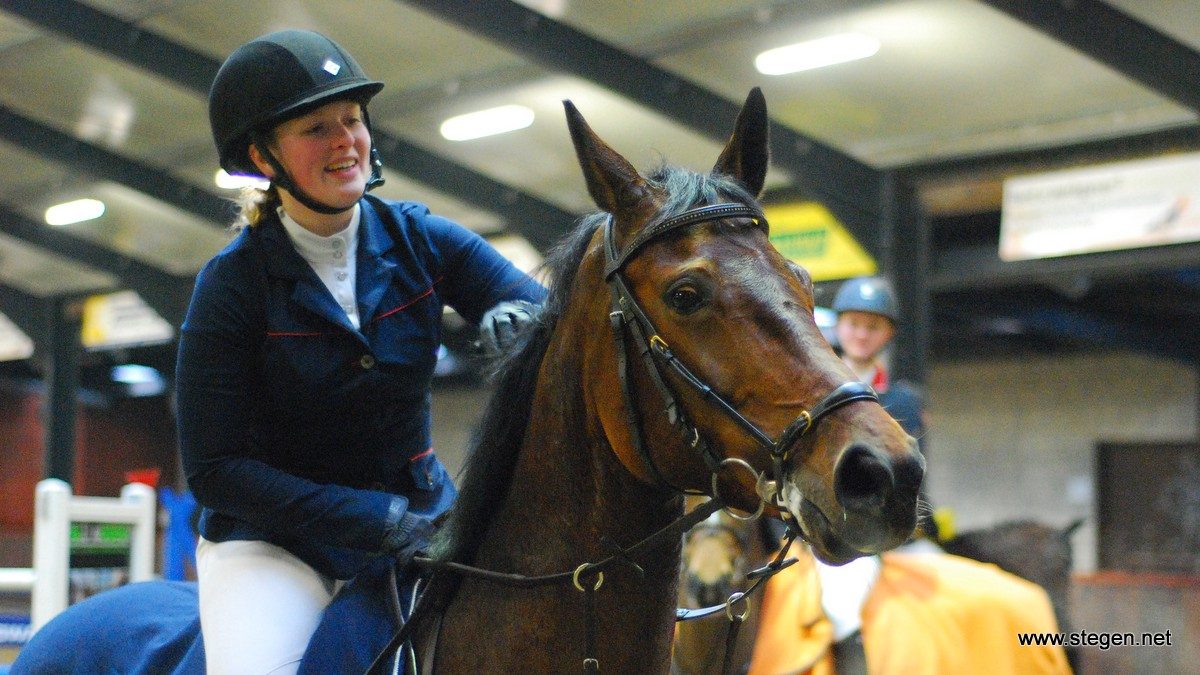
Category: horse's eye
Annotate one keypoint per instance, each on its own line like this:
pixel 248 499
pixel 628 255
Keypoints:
pixel 685 298
pixel 802 275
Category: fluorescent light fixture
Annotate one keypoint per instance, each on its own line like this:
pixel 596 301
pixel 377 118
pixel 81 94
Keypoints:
pixel 227 181
pixel 132 373
pixel 74 212
pixel 816 53
pixel 487 122
pixel 139 380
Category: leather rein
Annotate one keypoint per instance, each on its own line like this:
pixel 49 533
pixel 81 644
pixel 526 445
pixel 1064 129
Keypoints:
pixel 627 318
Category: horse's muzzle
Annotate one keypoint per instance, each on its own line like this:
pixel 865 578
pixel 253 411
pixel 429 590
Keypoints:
pixel 873 506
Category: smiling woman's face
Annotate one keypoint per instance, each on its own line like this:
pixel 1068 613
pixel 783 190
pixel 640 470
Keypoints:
pixel 326 152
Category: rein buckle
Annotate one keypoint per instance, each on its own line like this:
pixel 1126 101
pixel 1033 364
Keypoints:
pixel 659 345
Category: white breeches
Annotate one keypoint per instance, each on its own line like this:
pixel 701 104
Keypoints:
pixel 259 605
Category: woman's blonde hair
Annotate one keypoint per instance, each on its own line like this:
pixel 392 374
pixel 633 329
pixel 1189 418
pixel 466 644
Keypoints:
pixel 254 205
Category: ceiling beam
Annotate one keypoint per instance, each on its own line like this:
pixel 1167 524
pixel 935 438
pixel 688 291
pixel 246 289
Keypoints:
pixel 1044 317
pixel 167 294
pixel 92 159
pixel 849 188
pixel 541 222
pixel 980 266
pixel 1118 40
pixel 1179 139
pixel 114 36
pixel 1189 279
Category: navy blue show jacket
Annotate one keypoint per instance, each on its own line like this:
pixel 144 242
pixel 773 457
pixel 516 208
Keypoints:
pixel 296 428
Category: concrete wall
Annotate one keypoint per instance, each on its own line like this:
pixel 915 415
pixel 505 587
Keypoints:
pixel 110 440
pixel 1015 439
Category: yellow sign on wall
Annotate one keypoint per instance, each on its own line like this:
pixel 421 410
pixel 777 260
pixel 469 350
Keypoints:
pixel 122 319
pixel 808 234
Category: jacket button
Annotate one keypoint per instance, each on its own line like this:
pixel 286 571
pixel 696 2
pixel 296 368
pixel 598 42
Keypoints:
pixel 367 362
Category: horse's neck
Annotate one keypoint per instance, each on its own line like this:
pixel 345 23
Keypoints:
pixel 567 497
pixel 568 484
pixel 569 503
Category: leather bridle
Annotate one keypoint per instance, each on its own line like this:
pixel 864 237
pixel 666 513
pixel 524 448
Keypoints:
pixel 628 317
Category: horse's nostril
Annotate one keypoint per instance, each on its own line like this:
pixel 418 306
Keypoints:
pixel 863 482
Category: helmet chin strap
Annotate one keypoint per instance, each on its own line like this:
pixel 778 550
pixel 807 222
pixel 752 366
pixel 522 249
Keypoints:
pixel 376 178
pixel 284 181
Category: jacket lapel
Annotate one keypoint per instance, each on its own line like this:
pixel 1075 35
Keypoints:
pixel 309 291
pixel 374 273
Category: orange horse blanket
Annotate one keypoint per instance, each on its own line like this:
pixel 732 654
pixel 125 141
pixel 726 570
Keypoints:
pixel 926 615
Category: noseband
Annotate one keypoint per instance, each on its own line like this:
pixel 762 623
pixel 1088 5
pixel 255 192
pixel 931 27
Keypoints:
pixel 628 316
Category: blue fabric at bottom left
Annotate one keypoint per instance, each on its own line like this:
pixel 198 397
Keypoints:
pixel 148 627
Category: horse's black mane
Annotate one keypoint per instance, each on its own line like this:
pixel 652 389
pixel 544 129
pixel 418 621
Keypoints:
pixel 488 469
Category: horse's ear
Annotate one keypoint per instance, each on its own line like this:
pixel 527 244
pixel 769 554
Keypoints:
pixel 747 154
pixel 615 185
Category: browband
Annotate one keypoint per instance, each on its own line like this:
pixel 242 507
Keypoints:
pixel 697 215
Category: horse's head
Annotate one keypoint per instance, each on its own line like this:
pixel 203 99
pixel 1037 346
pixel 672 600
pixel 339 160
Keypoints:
pixel 714 570
pixel 719 378
pixel 717 553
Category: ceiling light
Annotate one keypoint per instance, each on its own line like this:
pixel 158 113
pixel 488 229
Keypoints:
pixel 14 344
pixel 131 373
pixel 74 212
pixel 487 122
pixel 817 53
pixel 227 181
pixel 139 380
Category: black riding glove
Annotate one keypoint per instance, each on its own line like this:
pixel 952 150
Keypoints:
pixel 409 537
pixel 502 324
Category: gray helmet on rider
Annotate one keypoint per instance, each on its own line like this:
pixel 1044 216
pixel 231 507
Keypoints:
pixel 275 78
pixel 867 294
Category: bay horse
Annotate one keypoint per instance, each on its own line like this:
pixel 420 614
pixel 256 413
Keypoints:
pixel 677 352
pixel 720 553
pixel 615 426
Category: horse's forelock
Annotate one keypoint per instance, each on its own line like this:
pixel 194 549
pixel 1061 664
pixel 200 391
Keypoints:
pixel 686 189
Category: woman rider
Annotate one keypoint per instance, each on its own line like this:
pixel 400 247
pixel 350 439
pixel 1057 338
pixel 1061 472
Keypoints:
pixel 307 353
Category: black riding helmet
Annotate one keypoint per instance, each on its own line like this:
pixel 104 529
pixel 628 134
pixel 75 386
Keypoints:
pixel 278 77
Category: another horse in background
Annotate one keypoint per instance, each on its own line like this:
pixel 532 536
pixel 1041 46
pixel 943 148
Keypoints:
pixel 719 553
pixel 677 352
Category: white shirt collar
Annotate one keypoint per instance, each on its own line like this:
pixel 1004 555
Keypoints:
pixel 317 249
